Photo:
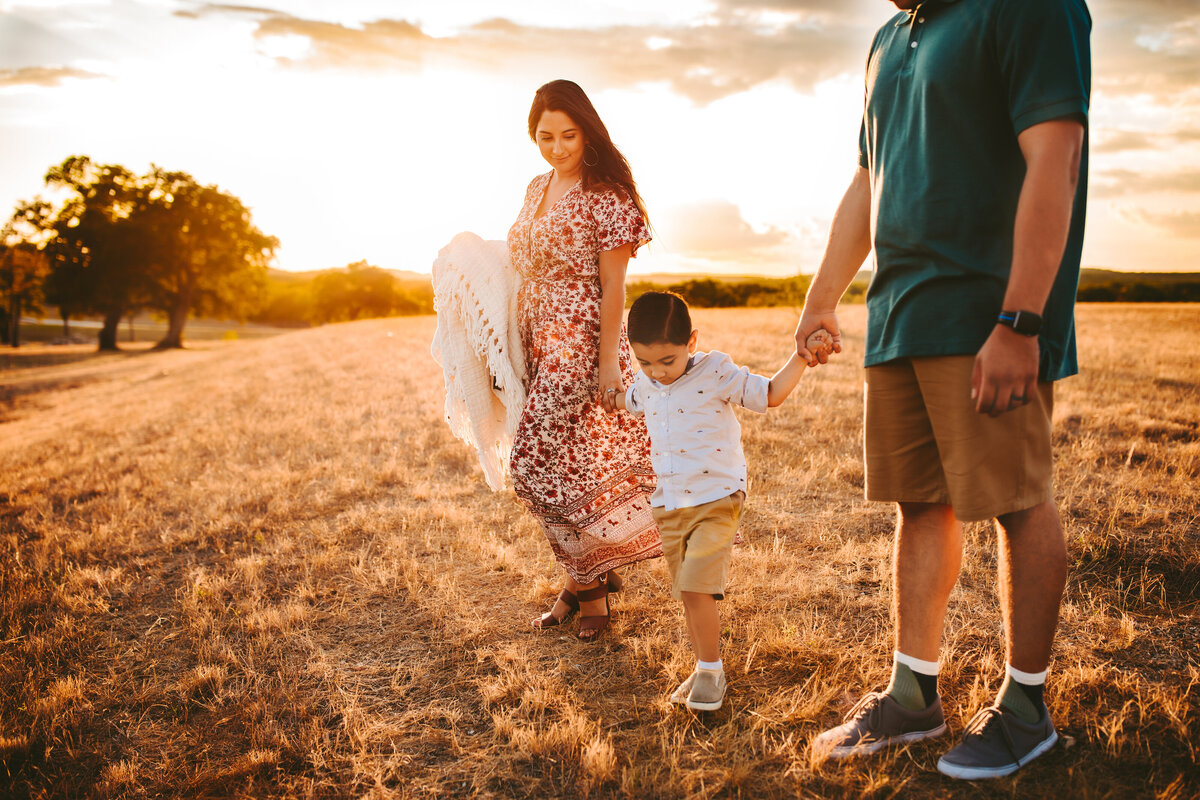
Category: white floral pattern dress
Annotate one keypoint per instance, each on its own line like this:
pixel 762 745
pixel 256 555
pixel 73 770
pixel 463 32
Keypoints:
pixel 584 472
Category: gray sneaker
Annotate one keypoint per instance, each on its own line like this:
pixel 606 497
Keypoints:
pixel 680 695
pixel 877 721
pixel 708 690
pixel 997 743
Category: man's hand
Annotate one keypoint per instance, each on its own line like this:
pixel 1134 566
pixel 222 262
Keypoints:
pixel 1006 372
pixel 810 322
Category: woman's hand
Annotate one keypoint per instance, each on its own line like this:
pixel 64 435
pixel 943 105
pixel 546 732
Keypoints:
pixel 610 386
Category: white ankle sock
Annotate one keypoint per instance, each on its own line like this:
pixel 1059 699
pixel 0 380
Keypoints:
pixel 715 666
pixel 916 664
pixel 1027 678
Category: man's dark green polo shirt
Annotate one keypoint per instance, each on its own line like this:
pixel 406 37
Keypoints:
pixel 949 86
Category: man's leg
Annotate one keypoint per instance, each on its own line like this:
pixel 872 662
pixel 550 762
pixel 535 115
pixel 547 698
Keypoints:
pixel 926 561
pixel 1033 573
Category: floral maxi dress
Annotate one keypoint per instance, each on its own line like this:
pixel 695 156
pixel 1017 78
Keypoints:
pixel 584 472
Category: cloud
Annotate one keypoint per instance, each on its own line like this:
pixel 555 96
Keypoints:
pixel 716 231
pixel 1184 224
pixel 1118 182
pixel 42 76
pixel 1118 141
pixel 703 61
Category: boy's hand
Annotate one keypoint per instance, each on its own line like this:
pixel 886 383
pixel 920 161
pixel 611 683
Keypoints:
pixel 820 344
pixel 812 321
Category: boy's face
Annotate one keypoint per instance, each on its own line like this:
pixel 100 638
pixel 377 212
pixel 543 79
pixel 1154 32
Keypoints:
pixel 663 361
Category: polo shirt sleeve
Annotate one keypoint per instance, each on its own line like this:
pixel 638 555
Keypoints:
pixel 633 400
pixel 739 386
pixel 1045 59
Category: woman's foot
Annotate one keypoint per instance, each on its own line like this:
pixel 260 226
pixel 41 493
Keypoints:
pixel 614 581
pixel 564 607
pixel 594 611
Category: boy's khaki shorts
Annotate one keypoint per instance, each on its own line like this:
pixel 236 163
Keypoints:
pixel 698 544
pixel 924 442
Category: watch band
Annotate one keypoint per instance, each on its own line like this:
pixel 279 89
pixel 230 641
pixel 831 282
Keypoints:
pixel 1025 323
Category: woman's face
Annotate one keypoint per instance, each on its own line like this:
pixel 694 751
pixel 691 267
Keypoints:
pixel 561 142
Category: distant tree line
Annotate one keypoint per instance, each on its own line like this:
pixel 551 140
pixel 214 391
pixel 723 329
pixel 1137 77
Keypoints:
pixel 733 293
pixel 360 291
pixel 1095 285
pixel 1133 291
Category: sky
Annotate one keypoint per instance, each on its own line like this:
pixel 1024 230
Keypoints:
pixel 378 129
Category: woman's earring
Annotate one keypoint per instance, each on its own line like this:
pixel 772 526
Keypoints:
pixel 595 159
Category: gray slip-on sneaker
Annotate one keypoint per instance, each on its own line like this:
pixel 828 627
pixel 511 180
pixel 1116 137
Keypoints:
pixel 877 721
pixel 708 690
pixel 680 695
pixel 997 743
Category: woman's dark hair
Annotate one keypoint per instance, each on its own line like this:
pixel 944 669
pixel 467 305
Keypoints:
pixel 610 169
pixel 659 317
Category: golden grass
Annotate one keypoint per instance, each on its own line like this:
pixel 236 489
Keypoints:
pixel 266 569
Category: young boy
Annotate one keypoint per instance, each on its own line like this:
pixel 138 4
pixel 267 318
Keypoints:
pixel 687 398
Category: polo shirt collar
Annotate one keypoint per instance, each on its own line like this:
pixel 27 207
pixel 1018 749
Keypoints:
pixel 927 4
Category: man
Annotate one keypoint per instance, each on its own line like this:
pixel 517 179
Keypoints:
pixel 970 190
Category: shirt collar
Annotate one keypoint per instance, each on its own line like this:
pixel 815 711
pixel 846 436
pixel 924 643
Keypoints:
pixel 925 6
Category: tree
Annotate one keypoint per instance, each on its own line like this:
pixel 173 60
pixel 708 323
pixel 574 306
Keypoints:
pixel 23 265
pixel 208 257
pixel 361 292
pixel 100 252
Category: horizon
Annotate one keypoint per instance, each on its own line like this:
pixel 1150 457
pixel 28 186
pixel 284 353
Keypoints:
pixel 374 130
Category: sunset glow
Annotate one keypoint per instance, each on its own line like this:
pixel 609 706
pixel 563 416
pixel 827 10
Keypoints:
pixel 378 130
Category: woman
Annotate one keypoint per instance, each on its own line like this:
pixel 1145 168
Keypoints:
pixel 583 471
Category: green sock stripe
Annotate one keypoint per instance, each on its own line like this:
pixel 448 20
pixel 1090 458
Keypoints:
pixel 904 688
pixel 1014 697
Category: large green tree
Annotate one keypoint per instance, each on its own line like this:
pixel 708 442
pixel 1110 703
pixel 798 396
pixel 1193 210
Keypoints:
pixel 161 241
pixel 102 246
pixel 209 258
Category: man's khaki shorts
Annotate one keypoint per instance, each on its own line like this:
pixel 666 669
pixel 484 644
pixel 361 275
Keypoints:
pixel 925 443
pixel 698 544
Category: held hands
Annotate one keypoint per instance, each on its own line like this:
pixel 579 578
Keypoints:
pixel 1006 372
pixel 818 336
pixel 610 385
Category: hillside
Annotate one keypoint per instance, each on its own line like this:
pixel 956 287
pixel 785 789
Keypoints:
pixel 266 569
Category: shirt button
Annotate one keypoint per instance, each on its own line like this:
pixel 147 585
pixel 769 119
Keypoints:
pixel 914 44
pixel 920 20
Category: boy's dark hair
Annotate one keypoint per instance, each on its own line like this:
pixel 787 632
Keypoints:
pixel 659 317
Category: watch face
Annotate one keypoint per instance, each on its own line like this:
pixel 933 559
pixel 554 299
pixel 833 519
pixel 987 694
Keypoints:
pixel 1026 323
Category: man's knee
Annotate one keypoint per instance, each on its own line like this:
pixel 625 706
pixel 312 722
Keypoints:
pixel 923 516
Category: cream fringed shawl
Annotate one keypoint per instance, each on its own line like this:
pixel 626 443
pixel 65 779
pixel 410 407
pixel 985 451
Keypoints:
pixel 478 344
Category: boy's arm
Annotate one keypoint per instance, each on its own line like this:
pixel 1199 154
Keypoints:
pixel 785 380
pixel 620 401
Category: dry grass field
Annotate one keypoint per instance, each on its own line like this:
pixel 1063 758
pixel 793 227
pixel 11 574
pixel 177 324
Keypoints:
pixel 266 569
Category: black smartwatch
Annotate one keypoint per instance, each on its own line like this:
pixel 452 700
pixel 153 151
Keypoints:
pixel 1025 323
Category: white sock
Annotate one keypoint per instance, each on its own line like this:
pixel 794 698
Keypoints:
pixel 714 666
pixel 1027 678
pixel 916 664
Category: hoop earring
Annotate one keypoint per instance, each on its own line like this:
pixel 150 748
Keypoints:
pixel 597 156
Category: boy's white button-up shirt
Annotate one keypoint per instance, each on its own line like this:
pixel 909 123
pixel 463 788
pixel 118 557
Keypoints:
pixel 695 438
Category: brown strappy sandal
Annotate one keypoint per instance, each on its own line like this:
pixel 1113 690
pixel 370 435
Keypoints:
pixel 590 628
pixel 548 620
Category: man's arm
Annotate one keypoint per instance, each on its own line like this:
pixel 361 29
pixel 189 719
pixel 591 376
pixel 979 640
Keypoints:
pixel 1006 368
pixel 847 248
